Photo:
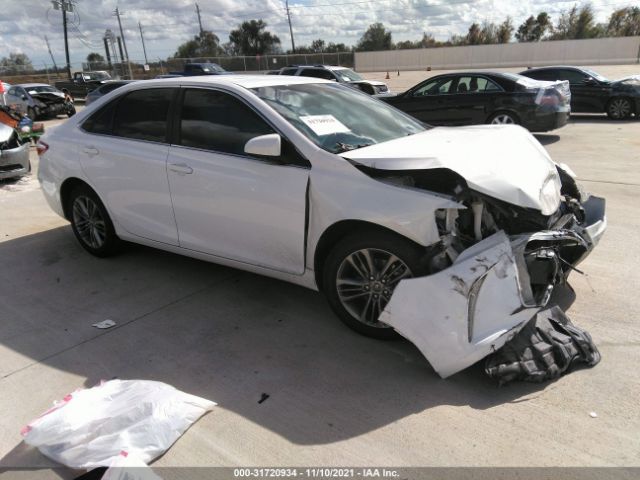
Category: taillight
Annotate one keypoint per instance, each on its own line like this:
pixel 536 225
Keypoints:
pixel 550 99
pixel 41 147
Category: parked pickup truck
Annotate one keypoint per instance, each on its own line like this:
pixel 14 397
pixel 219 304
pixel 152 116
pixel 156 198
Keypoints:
pixel 191 69
pixel 83 82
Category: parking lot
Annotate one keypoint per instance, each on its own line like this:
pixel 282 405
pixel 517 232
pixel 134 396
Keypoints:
pixel 334 398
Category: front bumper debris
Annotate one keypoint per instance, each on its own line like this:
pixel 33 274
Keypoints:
pixel 471 309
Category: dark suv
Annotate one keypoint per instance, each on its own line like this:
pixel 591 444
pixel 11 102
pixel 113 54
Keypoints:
pixel 593 93
pixel 339 74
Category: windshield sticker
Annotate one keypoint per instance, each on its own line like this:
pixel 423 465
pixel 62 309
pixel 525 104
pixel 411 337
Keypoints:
pixel 324 124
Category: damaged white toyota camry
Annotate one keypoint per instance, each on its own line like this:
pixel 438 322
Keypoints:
pixel 453 237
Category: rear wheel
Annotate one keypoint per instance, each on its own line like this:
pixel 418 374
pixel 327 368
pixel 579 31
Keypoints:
pixel 503 118
pixel 619 108
pixel 91 223
pixel 361 273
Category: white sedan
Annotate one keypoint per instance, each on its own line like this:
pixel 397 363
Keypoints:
pixel 453 237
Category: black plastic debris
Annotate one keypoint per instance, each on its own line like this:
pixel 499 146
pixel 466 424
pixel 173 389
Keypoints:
pixel 546 347
pixel 263 397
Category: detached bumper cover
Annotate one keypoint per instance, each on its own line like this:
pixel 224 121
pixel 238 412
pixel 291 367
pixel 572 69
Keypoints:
pixel 463 313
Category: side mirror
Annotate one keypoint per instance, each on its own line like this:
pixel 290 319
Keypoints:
pixel 589 81
pixel 24 97
pixel 265 145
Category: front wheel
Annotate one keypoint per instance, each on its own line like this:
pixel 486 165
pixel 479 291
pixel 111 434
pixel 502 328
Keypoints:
pixel 503 118
pixel 91 223
pixel 619 108
pixel 361 273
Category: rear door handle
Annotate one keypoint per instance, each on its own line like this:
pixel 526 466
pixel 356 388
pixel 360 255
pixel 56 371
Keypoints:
pixel 181 168
pixel 91 150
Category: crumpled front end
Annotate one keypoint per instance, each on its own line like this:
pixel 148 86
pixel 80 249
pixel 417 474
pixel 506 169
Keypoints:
pixel 14 154
pixel 495 267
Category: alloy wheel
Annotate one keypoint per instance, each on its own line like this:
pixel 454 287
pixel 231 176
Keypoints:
pixel 365 282
pixel 503 119
pixel 620 108
pixel 89 222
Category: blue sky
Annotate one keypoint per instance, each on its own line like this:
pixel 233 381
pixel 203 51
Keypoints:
pixel 167 23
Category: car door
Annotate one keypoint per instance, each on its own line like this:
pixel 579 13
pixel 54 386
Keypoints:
pixel 228 203
pixel 473 100
pixel 587 94
pixel 428 101
pixel 18 96
pixel 124 154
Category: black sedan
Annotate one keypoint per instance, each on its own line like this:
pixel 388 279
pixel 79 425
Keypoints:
pixel 593 93
pixel 487 97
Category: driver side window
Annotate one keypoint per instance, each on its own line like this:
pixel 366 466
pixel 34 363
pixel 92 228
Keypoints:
pixel 217 121
pixel 436 87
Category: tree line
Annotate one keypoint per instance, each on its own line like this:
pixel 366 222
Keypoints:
pixel 251 38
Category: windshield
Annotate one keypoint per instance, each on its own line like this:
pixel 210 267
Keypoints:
pixel 42 88
pixel 595 75
pixel 96 76
pixel 348 75
pixel 338 118
pixel 212 67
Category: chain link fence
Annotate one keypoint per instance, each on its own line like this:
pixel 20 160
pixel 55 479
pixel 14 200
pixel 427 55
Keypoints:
pixel 135 69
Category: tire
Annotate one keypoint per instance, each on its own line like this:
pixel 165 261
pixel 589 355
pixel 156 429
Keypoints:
pixel 71 111
pixel 354 301
pixel 91 223
pixel 619 108
pixel 31 113
pixel 503 118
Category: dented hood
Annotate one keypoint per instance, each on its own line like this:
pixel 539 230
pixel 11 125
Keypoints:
pixel 502 161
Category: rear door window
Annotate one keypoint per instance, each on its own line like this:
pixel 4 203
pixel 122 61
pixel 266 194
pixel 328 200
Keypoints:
pixel 475 84
pixel 142 114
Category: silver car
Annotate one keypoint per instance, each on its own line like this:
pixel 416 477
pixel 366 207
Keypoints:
pixel 14 155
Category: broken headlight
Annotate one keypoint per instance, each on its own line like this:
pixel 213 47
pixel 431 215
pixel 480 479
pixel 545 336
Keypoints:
pixel 550 194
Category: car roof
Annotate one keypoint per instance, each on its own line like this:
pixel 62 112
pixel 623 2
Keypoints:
pixel 571 67
pixel 246 81
pixel 27 85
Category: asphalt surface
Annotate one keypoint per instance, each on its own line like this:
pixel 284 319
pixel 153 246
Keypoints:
pixel 335 398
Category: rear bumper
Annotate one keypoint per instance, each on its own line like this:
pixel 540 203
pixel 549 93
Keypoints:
pixel 545 121
pixel 14 162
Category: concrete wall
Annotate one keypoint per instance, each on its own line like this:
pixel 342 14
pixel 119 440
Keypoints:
pixel 597 51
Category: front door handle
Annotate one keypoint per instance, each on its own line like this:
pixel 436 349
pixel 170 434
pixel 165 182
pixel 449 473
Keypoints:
pixel 91 150
pixel 181 168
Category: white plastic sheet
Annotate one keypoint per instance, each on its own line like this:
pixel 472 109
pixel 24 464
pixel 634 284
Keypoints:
pixel 91 428
pixel 129 467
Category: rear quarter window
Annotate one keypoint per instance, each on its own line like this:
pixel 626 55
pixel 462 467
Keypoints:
pixel 142 114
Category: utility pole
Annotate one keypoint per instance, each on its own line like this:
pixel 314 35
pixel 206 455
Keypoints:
pixel 199 19
pixel 66 38
pixel 65 6
pixel 293 43
pixel 55 67
pixel 144 49
pixel 124 42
